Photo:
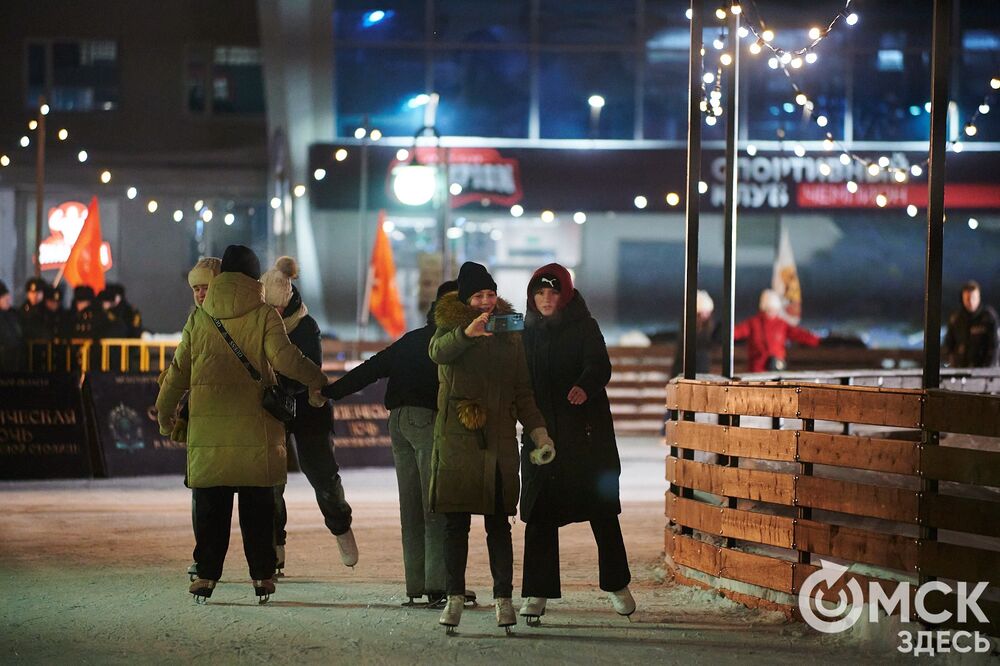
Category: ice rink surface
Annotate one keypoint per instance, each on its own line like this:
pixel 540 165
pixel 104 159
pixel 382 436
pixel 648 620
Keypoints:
pixel 94 572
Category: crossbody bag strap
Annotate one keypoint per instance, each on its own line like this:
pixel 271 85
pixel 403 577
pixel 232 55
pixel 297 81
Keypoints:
pixel 236 350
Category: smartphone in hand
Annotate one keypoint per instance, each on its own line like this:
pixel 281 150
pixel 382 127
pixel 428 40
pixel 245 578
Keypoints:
pixel 505 323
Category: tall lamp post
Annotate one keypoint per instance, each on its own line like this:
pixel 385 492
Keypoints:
pixel 43 110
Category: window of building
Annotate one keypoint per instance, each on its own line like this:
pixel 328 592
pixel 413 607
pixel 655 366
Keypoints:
pixel 382 85
pixel 569 82
pixel 385 21
pixel 224 80
pixel 482 22
pixel 73 75
pixel 483 93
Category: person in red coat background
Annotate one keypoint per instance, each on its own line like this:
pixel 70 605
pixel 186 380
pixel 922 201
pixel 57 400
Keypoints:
pixel 767 333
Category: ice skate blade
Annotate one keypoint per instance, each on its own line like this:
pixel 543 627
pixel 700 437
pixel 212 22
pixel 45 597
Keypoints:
pixel 509 631
pixel 199 599
pixel 532 620
pixel 450 630
pixel 263 599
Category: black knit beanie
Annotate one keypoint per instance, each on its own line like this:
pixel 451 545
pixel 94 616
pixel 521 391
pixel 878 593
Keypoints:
pixel 241 259
pixel 472 278
pixel 447 287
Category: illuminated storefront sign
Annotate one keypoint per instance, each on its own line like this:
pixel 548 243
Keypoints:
pixel 65 222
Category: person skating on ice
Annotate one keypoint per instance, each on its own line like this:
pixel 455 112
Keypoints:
pixel 312 426
pixel 569 366
pixel 230 349
pixel 484 390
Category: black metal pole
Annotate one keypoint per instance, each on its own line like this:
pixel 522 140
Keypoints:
pixel 732 82
pixel 940 85
pixel 693 204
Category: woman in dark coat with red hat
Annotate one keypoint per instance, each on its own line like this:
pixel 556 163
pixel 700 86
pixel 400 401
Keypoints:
pixel 569 366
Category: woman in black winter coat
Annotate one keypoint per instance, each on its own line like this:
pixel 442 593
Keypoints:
pixel 569 366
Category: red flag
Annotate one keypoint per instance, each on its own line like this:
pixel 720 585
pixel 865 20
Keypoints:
pixel 83 267
pixel 383 300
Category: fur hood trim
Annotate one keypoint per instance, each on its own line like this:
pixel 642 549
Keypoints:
pixel 449 312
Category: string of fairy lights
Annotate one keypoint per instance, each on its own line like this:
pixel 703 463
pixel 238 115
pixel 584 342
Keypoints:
pixel 202 210
pixel 786 60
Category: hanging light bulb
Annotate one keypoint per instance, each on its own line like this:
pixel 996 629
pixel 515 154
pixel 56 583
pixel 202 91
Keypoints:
pixel 845 159
pixel 772 63
pixel 852 19
pixel 822 121
pixel 63 134
pixel 883 161
pixel 900 176
pixel 736 8
pixel 801 99
pixel 720 14
pixel 873 169
pixel 970 130
pixel 726 59
pixel 751 149
pixel 984 108
pixel 881 200
pixel 755 47
pixel 767 35
pixel 710 121
pixel 995 83
pixel 814 33
pixel 824 169
pixel 811 58
pixel 32 125
pixel 718 44
pixel 915 170
pixel 742 30
pixel 785 58
pixel 852 187
pixel 827 143
pixel 796 63
pixel 911 210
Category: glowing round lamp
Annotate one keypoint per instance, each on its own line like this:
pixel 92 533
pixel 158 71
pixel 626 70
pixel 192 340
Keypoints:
pixel 414 184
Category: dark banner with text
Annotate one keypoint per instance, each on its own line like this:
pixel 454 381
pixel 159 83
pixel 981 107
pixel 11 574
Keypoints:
pixel 361 429
pixel 42 429
pixel 130 440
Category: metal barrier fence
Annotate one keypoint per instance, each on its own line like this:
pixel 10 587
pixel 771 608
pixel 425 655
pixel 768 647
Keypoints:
pixel 778 483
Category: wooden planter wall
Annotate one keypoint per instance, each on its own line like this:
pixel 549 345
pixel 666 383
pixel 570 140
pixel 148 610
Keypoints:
pixel 760 528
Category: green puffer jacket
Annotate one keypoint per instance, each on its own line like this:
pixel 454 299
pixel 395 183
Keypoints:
pixel 479 377
pixel 232 441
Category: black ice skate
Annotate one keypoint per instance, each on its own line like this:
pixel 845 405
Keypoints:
pixel 264 589
pixel 201 589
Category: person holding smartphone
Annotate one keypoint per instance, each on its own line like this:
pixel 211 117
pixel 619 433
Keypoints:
pixel 569 365
pixel 484 389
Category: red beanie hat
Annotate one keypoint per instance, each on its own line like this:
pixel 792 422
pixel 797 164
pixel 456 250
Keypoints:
pixel 556 277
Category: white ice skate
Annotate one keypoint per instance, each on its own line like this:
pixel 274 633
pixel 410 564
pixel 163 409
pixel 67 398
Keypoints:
pixel 506 617
pixel 279 563
pixel 532 610
pixel 452 613
pixel 622 601
pixel 348 548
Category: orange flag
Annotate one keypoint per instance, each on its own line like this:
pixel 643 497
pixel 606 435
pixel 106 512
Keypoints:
pixel 83 267
pixel 383 300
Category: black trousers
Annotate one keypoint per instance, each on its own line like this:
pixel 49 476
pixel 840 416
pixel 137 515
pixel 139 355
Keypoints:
pixel 213 520
pixel 498 543
pixel 311 432
pixel 541 557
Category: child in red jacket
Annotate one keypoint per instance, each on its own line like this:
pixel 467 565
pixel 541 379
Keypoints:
pixel 766 334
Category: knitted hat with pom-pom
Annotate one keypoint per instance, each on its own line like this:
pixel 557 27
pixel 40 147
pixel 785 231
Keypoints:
pixel 278 281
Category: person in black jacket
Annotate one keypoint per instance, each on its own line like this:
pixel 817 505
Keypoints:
pixel 971 340
pixel 11 339
pixel 569 365
pixel 312 426
pixel 411 398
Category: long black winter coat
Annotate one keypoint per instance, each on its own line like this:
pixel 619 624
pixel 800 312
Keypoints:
pixel 565 350
pixel 303 331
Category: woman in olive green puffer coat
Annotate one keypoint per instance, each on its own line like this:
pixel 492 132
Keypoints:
pixel 233 443
pixel 484 390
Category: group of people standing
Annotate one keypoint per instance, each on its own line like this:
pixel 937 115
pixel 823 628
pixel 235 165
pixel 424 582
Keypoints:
pixel 41 316
pixel 457 387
